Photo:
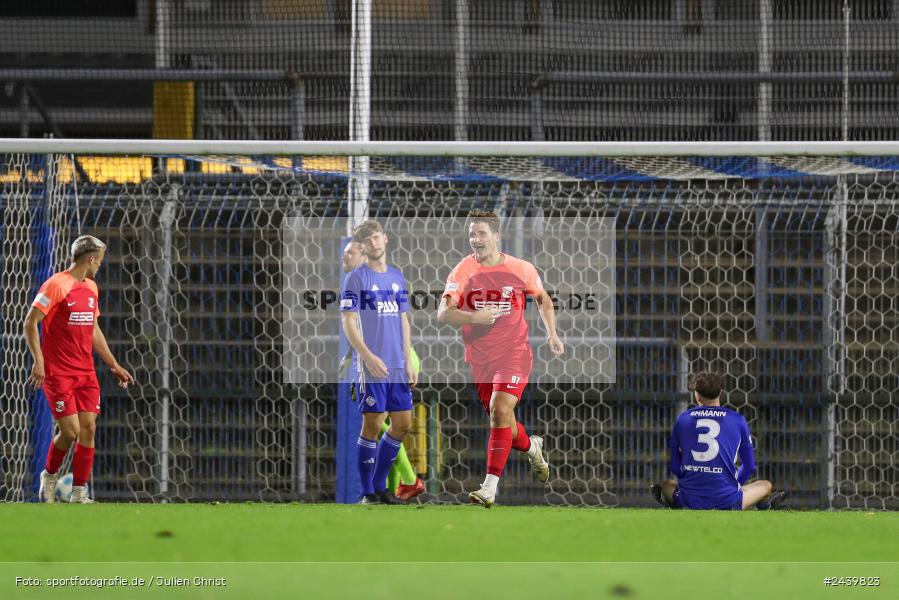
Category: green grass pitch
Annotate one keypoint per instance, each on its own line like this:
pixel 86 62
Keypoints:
pixel 319 551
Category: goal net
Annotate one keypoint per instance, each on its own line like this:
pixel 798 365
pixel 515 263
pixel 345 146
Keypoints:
pixel 779 271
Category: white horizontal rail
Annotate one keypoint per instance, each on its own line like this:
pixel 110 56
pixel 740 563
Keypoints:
pixel 308 148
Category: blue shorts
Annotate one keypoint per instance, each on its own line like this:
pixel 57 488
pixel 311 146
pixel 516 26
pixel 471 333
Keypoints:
pixel 732 502
pixel 392 394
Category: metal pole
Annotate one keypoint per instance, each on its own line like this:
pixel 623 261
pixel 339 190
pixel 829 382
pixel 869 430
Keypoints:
pixel 537 132
pixel 164 273
pixel 299 114
pixel 433 437
pixel 445 148
pixel 213 73
pixel 299 109
pixel 206 73
pixel 147 258
pixel 461 114
pixel 360 110
pixel 846 11
pixel 717 77
pixel 23 112
pixel 161 61
pixel 838 329
pixel 300 442
pixel 357 210
pixel 764 99
pixel 683 379
pixel 761 274
pixel 830 456
pixel 834 330
pixel 162 34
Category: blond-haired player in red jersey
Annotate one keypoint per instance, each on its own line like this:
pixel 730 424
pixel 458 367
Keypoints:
pixel 486 295
pixel 68 306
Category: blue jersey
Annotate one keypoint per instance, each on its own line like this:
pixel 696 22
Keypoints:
pixel 705 444
pixel 379 299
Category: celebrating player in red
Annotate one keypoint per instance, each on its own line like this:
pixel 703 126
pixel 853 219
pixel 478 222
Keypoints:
pixel 486 295
pixel 67 305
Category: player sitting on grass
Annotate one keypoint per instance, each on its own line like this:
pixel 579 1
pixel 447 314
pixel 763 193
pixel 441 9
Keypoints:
pixel 374 314
pixel 402 479
pixel 704 444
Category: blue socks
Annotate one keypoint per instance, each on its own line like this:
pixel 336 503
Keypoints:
pixel 388 448
pixel 368 449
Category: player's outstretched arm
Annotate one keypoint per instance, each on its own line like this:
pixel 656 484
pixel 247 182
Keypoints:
pixel 33 339
pixel 548 316
pixel 448 312
pixel 102 349
pixel 373 364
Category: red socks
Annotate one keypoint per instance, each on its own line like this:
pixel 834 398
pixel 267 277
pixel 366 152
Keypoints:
pixel 522 442
pixel 498 449
pixel 82 463
pixel 501 444
pixel 54 458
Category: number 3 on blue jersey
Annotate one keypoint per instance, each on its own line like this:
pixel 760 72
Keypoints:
pixel 708 438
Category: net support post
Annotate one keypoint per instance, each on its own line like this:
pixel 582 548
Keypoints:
pixel 164 334
pixel 163 269
pixel 835 257
pixel 762 333
pixel 300 441
pixel 433 434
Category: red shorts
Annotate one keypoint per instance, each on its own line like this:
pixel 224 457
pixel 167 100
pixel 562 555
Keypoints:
pixel 509 375
pixel 71 394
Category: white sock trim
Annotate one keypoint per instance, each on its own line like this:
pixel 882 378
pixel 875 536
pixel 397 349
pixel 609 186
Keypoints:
pixel 490 482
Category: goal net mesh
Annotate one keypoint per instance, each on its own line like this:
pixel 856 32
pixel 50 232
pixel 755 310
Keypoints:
pixel 780 273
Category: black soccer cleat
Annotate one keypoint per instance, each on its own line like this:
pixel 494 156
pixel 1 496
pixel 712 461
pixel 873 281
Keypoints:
pixel 656 490
pixel 387 497
pixel 776 498
pixel 370 499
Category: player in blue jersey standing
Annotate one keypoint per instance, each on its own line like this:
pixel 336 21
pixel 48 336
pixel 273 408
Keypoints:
pixel 705 443
pixel 374 309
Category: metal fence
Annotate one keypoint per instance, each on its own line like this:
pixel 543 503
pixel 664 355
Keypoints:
pixel 787 288
pixel 455 70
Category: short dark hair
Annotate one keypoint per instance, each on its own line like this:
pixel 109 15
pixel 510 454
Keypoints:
pixel 365 230
pixel 707 384
pixel 484 216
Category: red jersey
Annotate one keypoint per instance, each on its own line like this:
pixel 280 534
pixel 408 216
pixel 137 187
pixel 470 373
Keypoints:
pixel 505 286
pixel 70 308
